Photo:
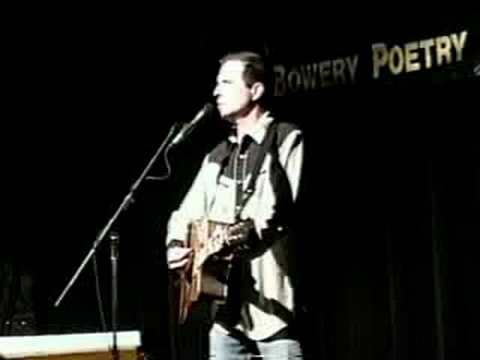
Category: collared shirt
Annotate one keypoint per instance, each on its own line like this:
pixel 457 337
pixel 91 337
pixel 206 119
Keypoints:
pixel 268 304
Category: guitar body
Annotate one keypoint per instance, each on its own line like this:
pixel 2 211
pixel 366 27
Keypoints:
pixel 208 270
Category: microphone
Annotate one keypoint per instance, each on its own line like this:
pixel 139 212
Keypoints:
pixel 187 128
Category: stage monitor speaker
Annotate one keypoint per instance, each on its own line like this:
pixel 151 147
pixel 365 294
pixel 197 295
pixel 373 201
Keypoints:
pixel 87 346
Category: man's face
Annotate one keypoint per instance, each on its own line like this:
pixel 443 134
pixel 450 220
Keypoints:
pixel 233 97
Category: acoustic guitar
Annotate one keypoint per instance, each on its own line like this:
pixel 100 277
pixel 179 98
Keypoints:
pixel 214 246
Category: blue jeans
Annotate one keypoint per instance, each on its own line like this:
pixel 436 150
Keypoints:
pixel 236 346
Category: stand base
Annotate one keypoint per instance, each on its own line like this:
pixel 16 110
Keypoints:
pixel 93 346
pixel 123 355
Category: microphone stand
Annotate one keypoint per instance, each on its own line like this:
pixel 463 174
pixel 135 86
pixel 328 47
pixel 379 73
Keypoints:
pixel 128 199
pixel 114 240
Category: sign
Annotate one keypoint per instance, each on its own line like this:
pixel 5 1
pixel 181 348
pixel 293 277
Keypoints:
pixel 385 60
pixel 417 55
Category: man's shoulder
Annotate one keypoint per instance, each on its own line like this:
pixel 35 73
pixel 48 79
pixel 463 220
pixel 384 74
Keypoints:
pixel 286 128
pixel 219 152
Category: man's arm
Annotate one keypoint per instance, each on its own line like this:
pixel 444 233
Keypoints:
pixel 192 207
pixel 291 158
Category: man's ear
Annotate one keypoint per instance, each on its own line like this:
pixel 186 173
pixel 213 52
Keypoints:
pixel 257 90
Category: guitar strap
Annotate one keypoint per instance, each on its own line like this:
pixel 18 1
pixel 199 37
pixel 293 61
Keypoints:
pixel 267 143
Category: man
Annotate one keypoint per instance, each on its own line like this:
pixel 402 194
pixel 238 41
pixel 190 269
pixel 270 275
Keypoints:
pixel 258 316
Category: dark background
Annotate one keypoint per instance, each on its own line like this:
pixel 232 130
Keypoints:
pixel 392 177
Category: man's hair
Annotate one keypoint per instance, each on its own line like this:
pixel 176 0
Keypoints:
pixel 255 69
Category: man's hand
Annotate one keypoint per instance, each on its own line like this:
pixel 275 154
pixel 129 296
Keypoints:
pixel 178 257
pixel 242 237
